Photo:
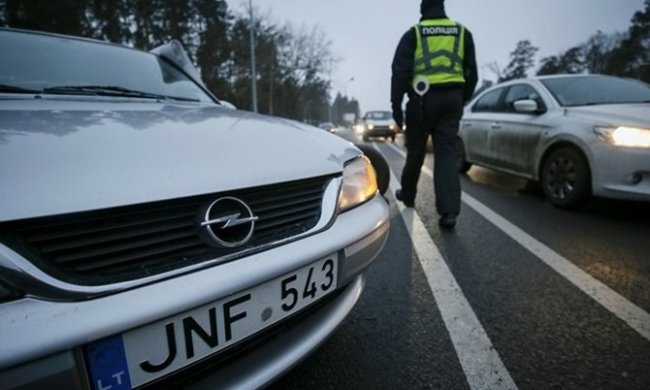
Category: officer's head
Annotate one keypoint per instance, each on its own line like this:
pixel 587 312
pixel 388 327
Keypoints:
pixel 428 5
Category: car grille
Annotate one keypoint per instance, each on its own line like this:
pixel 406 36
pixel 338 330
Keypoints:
pixel 131 242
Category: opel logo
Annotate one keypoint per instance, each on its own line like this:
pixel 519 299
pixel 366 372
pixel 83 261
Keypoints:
pixel 228 222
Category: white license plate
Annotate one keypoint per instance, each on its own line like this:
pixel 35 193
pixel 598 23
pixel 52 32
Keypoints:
pixel 144 354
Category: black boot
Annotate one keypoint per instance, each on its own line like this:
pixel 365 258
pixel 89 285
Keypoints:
pixel 407 203
pixel 447 221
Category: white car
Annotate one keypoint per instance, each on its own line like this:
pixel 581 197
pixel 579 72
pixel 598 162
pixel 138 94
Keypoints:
pixel 577 134
pixel 378 124
pixel 329 126
pixel 151 234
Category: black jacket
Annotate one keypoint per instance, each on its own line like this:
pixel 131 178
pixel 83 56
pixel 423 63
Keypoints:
pixel 403 64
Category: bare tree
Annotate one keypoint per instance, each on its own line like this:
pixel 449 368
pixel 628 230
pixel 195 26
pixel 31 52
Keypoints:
pixel 521 60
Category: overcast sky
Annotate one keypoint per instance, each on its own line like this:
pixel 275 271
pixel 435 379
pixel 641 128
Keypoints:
pixel 365 33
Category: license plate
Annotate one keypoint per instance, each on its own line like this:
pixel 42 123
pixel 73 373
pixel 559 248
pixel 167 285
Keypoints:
pixel 144 354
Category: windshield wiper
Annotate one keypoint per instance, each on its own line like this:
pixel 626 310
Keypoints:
pixel 102 90
pixel 14 88
pixel 111 90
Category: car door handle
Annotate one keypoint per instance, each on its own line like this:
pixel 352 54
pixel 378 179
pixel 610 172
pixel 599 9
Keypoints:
pixel 496 125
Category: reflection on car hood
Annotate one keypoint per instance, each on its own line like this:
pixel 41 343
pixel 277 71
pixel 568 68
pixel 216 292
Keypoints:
pixel 61 156
pixel 615 114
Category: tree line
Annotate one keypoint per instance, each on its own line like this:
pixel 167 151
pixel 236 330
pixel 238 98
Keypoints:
pixel 293 65
pixel 625 54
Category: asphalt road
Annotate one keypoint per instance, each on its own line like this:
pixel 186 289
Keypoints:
pixel 520 295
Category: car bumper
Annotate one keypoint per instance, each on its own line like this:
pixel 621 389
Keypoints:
pixel 383 132
pixel 621 173
pixel 275 357
pixel 41 340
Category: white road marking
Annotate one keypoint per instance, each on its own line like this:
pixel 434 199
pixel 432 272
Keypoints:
pixel 480 361
pixel 634 316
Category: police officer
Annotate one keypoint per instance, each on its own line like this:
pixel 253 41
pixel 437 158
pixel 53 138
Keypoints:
pixel 435 65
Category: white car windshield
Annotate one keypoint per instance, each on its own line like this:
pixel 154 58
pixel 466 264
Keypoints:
pixel 378 115
pixel 58 65
pixel 595 90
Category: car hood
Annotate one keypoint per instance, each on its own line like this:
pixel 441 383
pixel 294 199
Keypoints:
pixel 615 114
pixel 62 156
pixel 380 122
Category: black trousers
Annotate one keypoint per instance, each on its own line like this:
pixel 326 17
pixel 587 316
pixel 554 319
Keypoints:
pixel 436 114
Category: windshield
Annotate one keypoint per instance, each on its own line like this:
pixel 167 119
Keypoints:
pixel 379 115
pixel 593 90
pixel 34 63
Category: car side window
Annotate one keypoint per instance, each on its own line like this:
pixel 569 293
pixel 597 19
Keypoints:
pixel 522 92
pixel 489 102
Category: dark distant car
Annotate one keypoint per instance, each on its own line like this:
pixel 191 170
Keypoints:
pixel 577 134
pixel 150 233
pixel 329 126
pixel 377 124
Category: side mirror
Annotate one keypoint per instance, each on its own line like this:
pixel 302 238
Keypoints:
pixel 526 106
pixel 227 104
pixel 174 52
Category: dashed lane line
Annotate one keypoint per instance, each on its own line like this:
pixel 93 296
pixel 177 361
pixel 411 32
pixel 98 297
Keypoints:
pixel 634 316
pixel 480 361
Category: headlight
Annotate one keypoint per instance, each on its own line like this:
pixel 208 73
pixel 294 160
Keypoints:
pixel 359 183
pixel 371 126
pixel 392 126
pixel 625 136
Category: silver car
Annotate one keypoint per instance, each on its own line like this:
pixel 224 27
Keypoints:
pixel 576 134
pixel 150 235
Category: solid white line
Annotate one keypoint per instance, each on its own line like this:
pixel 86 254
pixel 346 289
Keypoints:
pixel 634 316
pixel 480 361
pixel 631 314
pixel 425 169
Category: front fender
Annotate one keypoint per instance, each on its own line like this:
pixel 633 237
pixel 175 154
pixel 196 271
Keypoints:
pixel 561 140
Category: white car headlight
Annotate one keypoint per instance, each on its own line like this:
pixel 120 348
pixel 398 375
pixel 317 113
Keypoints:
pixel 625 136
pixel 371 126
pixel 392 126
pixel 359 183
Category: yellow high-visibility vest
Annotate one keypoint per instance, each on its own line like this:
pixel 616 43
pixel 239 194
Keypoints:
pixel 439 52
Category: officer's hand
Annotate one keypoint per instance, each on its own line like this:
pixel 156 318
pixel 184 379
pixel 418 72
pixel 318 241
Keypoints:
pixel 398 115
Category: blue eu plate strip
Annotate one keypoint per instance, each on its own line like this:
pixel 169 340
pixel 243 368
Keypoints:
pixel 107 366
